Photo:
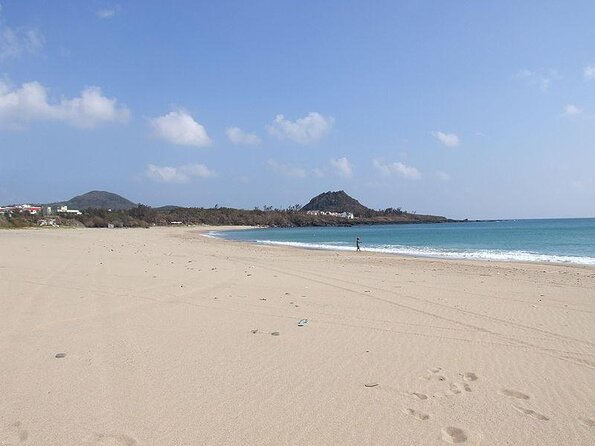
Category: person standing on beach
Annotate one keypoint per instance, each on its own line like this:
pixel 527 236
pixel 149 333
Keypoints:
pixel 357 244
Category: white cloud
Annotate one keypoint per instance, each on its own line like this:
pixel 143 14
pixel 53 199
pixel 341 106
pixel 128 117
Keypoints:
pixel 178 127
pixel 342 167
pixel 306 130
pixel 318 173
pixel 590 71
pixel 30 102
pixel 107 13
pixel 448 139
pixel 180 174
pixel 542 81
pixel 398 168
pixel 572 110
pixel 238 136
pixel 286 170
pixel 16 41
pixel 442 175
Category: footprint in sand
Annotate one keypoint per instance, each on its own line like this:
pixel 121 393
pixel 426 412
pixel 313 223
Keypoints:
pixel 421 396
pixel 416 414
pixel 113 440
pixel 467 387
pixel 587 422
pixel 470 376
pixel 454 389
pixel 13 434
pixel 453 435
pixel 434 377
pixel 513 394
pixel 531 413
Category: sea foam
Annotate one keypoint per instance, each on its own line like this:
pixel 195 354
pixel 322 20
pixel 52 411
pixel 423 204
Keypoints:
pixel 484 254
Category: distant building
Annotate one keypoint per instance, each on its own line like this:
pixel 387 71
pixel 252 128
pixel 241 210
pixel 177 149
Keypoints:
pixel 48 222
pixel 347 215
pixel 65 210
pixel 21 208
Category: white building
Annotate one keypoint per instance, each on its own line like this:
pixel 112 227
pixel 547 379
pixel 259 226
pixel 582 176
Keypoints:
pixel 347 215
pixel 65 210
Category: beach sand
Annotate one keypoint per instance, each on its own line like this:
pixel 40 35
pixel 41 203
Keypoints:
pixel 165 337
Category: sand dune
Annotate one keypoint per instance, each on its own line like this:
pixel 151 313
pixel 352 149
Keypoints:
pixel 165 337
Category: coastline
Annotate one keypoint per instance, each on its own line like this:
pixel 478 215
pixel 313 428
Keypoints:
pixel 429 257
pixel 168 339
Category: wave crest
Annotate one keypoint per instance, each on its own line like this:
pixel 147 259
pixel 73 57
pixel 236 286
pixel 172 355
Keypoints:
pixel 485 254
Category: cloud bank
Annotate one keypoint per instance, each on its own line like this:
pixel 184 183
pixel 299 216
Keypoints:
pixel 30 102
pixel 448 139
pixel 107 13
pixel 238 136
pixel 571 110
pixel 17 41
pixel 180 174
pixel 542 81
pixel 342 167
pixel 306 130
pixel 397 168
pixel 179 127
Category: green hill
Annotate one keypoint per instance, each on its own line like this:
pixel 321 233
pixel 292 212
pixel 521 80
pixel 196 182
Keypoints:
pixel 337 202
pixel 97 199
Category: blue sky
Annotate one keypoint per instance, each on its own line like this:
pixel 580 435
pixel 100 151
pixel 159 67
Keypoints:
pixel 458 108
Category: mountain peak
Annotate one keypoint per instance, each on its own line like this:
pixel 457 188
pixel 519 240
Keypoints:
pixel 98 199
pixel 337 201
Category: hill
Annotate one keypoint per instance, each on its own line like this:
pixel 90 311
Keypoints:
pixel 337 202
pixel 97 199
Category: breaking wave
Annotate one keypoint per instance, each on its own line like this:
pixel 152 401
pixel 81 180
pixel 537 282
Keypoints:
pixel 484 254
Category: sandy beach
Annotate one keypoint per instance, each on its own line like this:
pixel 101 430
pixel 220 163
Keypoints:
pixel 165 337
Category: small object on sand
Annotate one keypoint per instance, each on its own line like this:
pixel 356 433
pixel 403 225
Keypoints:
pixel 254 331
pixel 275 333
pixel 303 322
pixel 371 384
pixel 60 355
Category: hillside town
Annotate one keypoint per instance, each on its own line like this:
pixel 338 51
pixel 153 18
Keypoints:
pixel 347 215
pixel 37 210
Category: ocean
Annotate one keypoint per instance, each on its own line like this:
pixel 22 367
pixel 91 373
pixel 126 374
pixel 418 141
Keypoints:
pixel 547 240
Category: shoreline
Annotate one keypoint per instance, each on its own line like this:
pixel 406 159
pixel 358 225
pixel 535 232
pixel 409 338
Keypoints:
pixel 304 246
pixel 204 229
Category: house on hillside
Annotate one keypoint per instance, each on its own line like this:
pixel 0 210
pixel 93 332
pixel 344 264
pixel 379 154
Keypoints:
pixel 347 215
pixel 21 208
pixel 65 210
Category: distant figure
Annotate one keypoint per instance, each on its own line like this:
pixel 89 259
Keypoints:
pixel 357 244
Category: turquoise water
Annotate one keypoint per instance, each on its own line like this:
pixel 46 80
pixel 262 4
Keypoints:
pixel 552 240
